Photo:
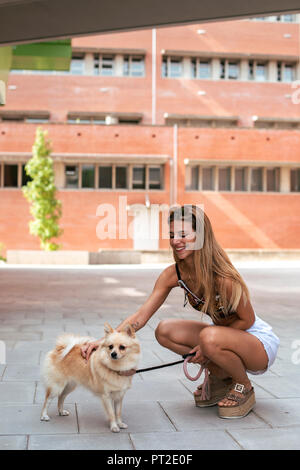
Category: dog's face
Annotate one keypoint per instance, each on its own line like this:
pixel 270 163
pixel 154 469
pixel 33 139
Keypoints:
pixel 120 350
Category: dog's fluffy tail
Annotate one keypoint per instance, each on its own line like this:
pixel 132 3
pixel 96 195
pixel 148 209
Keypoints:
pixel 66 342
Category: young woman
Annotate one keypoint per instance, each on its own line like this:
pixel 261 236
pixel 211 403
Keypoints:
pixel 236 343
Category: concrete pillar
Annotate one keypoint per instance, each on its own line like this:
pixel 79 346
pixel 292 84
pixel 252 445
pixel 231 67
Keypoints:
pixel 89 64
pixel 118 65
pixel 244 69
pixel 215 69
pixel 284 185
pixel 272 71
pixel 186 67
pixel 59 174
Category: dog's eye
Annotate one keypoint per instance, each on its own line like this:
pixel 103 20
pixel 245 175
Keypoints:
pixel 110 347
pixel 122 347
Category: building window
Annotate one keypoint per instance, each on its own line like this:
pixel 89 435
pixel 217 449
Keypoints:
pixel 258 71
pixel 71 173
pixel 240 179
pixel 207 179
pixel 273 179
pixel 201 68
pixel 104 65
pixel 172 67
pixel 105 177
pixel 229 69
pixel 133 66
pixel 77 65
pixel 107 66
pixel 192 178
pixel 224 179
pixel 87 176
pixel 11 176
pixel 121 177
pixel 256 179
pixel 155 177
pixel 295 180
pixel 139 177
pixel 286 72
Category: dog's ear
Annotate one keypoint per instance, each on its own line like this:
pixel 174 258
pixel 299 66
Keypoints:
pixel 107 328
pixel 129 330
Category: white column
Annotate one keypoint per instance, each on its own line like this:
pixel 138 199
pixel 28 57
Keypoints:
pixel 118 65
pixel 186 67
pixel 153 76
pixel 215 69
pixel 244 69
pixel 272 71
pixel 89 64
pixel 284 185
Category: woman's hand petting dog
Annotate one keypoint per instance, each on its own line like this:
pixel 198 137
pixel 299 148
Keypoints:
pixel 88 348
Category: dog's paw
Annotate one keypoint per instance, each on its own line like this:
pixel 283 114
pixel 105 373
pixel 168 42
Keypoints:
pixel 122 425
pixel 114 428
pixel 64 413
pixel 45 418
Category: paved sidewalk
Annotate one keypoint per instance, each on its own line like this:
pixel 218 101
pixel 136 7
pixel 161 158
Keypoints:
pixel 37 304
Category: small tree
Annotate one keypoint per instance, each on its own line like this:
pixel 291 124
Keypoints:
pixel 40 192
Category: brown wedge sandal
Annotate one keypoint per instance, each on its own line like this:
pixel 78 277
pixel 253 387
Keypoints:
pixel 244 402
pixel 218 389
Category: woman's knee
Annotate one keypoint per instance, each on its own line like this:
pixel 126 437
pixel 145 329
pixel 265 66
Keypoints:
pixel 163 330
pixel 209 340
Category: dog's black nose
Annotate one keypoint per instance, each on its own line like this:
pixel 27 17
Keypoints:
pixel 114 355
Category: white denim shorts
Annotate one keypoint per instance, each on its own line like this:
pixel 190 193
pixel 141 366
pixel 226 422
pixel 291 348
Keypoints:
pixel 263 331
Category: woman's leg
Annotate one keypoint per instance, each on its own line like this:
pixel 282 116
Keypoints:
pixel 180 336
pixel 234 351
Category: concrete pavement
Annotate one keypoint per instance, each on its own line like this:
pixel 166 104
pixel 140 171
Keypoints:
pixel 38 303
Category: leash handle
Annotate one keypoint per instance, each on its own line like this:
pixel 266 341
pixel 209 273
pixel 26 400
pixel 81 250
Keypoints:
pixel 205 393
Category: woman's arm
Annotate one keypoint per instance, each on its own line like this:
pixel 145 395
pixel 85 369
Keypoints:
pixel 162 287
pixel 165 282
pixel 245 312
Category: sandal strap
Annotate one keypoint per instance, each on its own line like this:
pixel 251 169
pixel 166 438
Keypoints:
pixel 243 394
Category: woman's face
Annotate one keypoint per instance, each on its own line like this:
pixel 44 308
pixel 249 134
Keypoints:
pixel 182 238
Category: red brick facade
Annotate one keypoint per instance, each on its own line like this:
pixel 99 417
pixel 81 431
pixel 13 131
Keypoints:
pixel 241 219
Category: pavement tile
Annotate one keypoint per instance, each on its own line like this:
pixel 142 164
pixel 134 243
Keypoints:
pixel 101 441
pixel 17 392
pixel 159 408
pixel 22 357
pixel 23 372
pixel 25 419
pixel 281 387
pixel 13 442
pixel 154 390
pixel 188 440
pixel 2 369
pixel 136 415
pixel 79 395
pixel 187 417
pixel 279 412
pixel 274 439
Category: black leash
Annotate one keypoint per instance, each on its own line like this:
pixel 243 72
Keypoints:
pixel 166 365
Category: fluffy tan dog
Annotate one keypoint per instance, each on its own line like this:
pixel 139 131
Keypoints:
pixel 64 368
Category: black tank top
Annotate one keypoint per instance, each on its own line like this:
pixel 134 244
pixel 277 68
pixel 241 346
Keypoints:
pixel 198 303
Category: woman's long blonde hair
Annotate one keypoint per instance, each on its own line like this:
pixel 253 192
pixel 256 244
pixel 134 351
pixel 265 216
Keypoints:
pixel 212 265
